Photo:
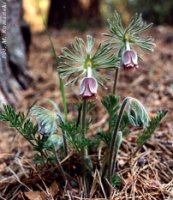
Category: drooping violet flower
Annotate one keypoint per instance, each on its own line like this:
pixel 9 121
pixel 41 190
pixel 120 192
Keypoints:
pixel 88 85
pixel 129 58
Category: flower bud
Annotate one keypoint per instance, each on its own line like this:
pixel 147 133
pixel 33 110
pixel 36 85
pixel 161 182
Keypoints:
pixel 43 129
pixel 137 113
pixel 88 87
pixel 129 59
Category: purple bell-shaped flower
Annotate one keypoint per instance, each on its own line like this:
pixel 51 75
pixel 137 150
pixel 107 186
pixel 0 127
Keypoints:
pixel 88 85
pixel 129 58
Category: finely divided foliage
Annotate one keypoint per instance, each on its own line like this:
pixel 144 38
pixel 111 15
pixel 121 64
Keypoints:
pixel 118 33
pixel 74 61
pixel 148 131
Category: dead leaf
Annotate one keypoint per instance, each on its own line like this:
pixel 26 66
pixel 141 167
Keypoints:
pixel 34 195
pixel 54 189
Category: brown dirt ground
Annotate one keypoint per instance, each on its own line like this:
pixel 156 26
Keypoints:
pixel 150 84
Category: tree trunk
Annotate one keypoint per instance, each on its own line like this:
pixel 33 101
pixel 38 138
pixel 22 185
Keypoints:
pixel 66 11
pixel 13 50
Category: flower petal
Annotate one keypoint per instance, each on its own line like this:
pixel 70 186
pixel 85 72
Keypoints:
pixel 82 85
pixel 93 85
pixel 126 58
pixel 134 57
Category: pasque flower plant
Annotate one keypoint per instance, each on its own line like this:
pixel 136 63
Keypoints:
pixel 125 39
pixel 53 136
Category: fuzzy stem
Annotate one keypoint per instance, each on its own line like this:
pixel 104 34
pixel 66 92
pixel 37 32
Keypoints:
pixel 84 107
pixel 85 150
pixel 127 45
pixel 79 115
pixel 89 71
pixel 112 154
pixel 84 117
pixel 115 81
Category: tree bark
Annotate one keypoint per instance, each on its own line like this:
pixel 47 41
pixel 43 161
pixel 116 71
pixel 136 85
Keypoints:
pixel 66 11
pixel 13 62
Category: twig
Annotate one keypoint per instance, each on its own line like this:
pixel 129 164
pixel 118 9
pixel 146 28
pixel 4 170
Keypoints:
pixel 17 178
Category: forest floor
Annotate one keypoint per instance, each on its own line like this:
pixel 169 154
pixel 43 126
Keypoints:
pixel 149 173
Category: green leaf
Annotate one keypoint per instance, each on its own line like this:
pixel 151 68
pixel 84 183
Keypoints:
pixel 19 121
pixel 153 124
pixel 29 129
pixel 105 136
pixel 38 159
pixel 90 106
pixel 116 180
pixel 111 103
pixel 74 136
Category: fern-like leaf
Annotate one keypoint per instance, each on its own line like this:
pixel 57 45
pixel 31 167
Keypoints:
pixel 18 121
pixel 153 124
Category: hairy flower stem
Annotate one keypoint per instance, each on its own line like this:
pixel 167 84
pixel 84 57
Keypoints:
pixel 113 152
pixel 127 45
pixel 115 81
pixel 84 107
pixel 79 115
pixel 85 150
pixel 84 117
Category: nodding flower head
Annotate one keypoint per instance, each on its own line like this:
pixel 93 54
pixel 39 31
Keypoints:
pixel 129 58
pixel 88 87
